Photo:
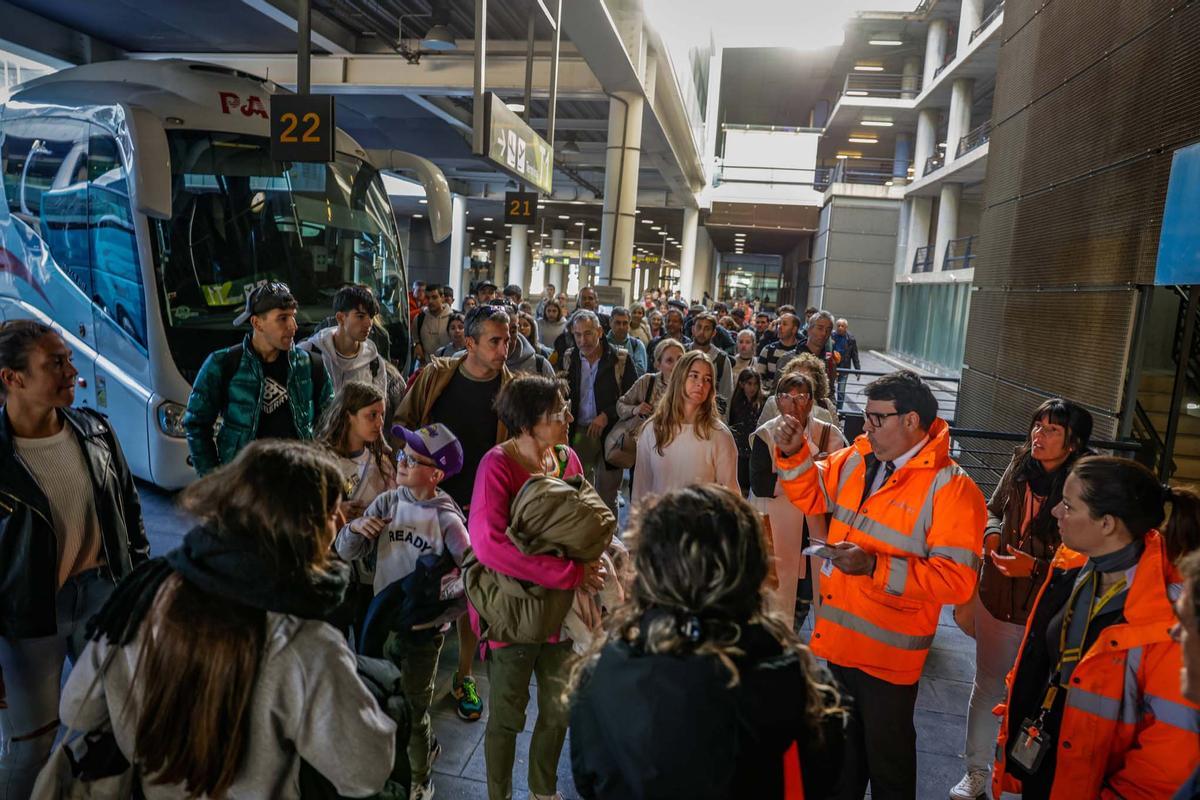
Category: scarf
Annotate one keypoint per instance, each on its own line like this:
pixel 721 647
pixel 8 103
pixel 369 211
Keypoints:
pixel 229 567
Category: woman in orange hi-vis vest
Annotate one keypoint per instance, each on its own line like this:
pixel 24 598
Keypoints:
pixel 904 539
pixel 1094 705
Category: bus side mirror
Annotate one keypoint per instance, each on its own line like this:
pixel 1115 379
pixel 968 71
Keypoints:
pixel 150 167
pixel 437 188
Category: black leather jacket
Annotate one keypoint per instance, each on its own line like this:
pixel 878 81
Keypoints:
pixel 28 542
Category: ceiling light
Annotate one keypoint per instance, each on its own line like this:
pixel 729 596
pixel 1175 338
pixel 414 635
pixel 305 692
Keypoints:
pixel 487 219
pixel 855 93
pixel 570 243
pixel 656 227
pixel 841 156
pixel 580 224
pixel 662 233
pixel 637 211
pixel 868 68
pixel 422 201
pixel 439 38
pixel 647 222
pixel 516 108
pixel 564 216
pixel 418 216
pixel 877 123
pixel 592 230
pixel 863 140
pixel 883 42
pixel 470 227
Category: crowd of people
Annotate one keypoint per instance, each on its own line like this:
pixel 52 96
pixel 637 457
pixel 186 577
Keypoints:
pixel 634 512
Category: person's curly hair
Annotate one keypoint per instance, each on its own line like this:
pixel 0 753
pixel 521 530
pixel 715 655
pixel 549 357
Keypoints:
pixel 699 567
pixel 807 361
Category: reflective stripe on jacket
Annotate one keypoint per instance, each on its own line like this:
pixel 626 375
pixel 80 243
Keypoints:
pixel 924 525
pixel 1127 731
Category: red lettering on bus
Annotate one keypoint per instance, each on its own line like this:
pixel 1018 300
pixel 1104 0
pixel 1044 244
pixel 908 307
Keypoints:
pixel 229 101
pixel 254 107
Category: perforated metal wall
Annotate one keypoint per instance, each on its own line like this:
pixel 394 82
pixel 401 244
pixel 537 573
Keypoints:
pixel 1092 99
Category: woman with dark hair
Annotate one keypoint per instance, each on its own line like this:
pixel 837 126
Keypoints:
pixel 744 408
pixel 697 690
pixel 1094 704
pixel 534 411
pixel 212 664
pixel 1019 542
pixel 70 529
pixel 551 325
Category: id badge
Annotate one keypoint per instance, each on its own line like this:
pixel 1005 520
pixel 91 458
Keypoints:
pixel 1030 747
pixel 827 569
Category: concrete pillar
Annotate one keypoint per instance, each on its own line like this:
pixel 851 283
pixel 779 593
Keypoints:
pixel 926 141
pixel 518 260
pixel 910 78
pixel 901 157
pixel 624 157
pixel 969 17
pixel 458 246
pixel 687 255
pixel 947 224
pixel 499 263
pixel 958 120
pixel 902 237
pixel 935 49
pixel 918 228
pixel 712 126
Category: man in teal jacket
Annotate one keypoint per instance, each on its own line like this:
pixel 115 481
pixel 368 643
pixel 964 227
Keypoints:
pixel 263 388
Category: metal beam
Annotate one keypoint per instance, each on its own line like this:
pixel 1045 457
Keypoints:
pixel 326 34
pixel 31 36
pixel 444 110
pixel 451 76
pixel 479 143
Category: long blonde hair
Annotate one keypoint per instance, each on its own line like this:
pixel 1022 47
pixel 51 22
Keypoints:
pixel 668 417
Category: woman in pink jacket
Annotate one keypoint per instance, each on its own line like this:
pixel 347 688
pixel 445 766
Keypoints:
pixel 532 408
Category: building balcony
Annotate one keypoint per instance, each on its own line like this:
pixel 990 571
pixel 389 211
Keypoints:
pixel 959 254
pixel 923 260
pixel 974 138
pixel 767 164
pixel 979 62
pixel 969 168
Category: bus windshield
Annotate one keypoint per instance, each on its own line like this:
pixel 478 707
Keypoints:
pixel 239 219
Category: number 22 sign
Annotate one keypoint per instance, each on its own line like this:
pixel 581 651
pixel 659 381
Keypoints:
pixel 302 127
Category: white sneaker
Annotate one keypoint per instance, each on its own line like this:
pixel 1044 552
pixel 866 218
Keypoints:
pixel 422 791
pixel 973 786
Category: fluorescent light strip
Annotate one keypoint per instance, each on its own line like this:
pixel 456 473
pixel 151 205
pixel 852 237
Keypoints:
pixel 862 140
pixel 877 123
pixel 885 42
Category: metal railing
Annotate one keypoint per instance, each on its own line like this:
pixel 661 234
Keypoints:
pixel 959 253
pixel 874 84
pixel 933 164
pixel 996 11
pixel 784 176
pixel 942 68
pixel 923 260
pixel 976 137
pixel 850 407
pixel 1153 447
pixel 874 171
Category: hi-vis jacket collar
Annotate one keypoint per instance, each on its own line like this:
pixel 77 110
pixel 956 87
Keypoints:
pixel 934 455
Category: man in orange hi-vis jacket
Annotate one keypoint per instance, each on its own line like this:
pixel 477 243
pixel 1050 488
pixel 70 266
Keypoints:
pixel 904 539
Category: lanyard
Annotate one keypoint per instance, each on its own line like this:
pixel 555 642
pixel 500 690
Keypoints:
pixel 1070 655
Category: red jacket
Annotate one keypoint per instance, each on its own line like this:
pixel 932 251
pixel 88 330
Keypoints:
pixel 1127 733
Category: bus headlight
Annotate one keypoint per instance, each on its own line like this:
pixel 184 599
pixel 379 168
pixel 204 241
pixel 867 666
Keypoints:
pixel 170 420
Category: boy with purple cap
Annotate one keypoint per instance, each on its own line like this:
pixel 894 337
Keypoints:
pixel 401 527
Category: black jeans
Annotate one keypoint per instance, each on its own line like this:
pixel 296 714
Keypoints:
pixel 881 741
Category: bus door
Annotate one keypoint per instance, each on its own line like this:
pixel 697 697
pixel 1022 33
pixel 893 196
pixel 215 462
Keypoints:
pixel 45 166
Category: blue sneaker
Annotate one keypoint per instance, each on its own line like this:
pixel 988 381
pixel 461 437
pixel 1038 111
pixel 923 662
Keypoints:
pixel 466 698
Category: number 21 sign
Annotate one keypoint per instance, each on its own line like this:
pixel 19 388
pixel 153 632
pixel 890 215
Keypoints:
pixel 520 208
pixel 302 127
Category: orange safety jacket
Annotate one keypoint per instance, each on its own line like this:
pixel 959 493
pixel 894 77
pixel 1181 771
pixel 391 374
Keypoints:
pixel 925 527
pixel 1127 732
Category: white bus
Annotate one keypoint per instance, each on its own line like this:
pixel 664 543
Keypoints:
pixel 139 203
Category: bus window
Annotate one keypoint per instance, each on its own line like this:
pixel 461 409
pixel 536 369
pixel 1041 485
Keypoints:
pixel 116 276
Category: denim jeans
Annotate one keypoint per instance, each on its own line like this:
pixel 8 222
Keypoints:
pixel 996 645
pixel 33 675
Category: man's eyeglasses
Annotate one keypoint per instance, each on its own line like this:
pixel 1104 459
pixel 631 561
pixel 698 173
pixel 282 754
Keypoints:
pixel 877 418
pixel 796 396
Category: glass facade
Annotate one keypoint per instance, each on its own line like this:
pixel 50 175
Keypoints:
pixel 930 323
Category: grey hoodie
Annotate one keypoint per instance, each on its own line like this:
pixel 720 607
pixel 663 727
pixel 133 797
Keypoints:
pixel 415 528
pixel 308 703
pixel 355 368
pixel 525 360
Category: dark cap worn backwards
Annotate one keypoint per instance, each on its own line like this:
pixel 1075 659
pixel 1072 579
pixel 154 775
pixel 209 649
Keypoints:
pixel 264 298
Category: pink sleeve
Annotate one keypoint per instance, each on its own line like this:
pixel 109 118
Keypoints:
pixel 496 483
pixel 574 465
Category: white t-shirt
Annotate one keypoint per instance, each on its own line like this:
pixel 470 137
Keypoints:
pixel 57 463
pixel 686 461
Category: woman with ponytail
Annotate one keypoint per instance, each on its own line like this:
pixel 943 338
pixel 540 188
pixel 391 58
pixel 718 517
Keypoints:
pixel 1020 539
pixel 1094 706
pixel 698 690
pixel 224 678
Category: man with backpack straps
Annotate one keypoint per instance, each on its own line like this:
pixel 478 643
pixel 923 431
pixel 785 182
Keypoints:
pixel 346 347
pixel 263 388
pixel 598 374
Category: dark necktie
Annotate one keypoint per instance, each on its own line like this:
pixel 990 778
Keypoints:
pixel 888 468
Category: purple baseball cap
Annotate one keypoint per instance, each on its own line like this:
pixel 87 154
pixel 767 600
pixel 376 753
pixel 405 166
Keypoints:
pixel 437 443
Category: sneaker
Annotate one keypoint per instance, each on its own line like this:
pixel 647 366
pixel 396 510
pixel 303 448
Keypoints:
pixel 466 697
pixel 422 791
pixel 973 786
